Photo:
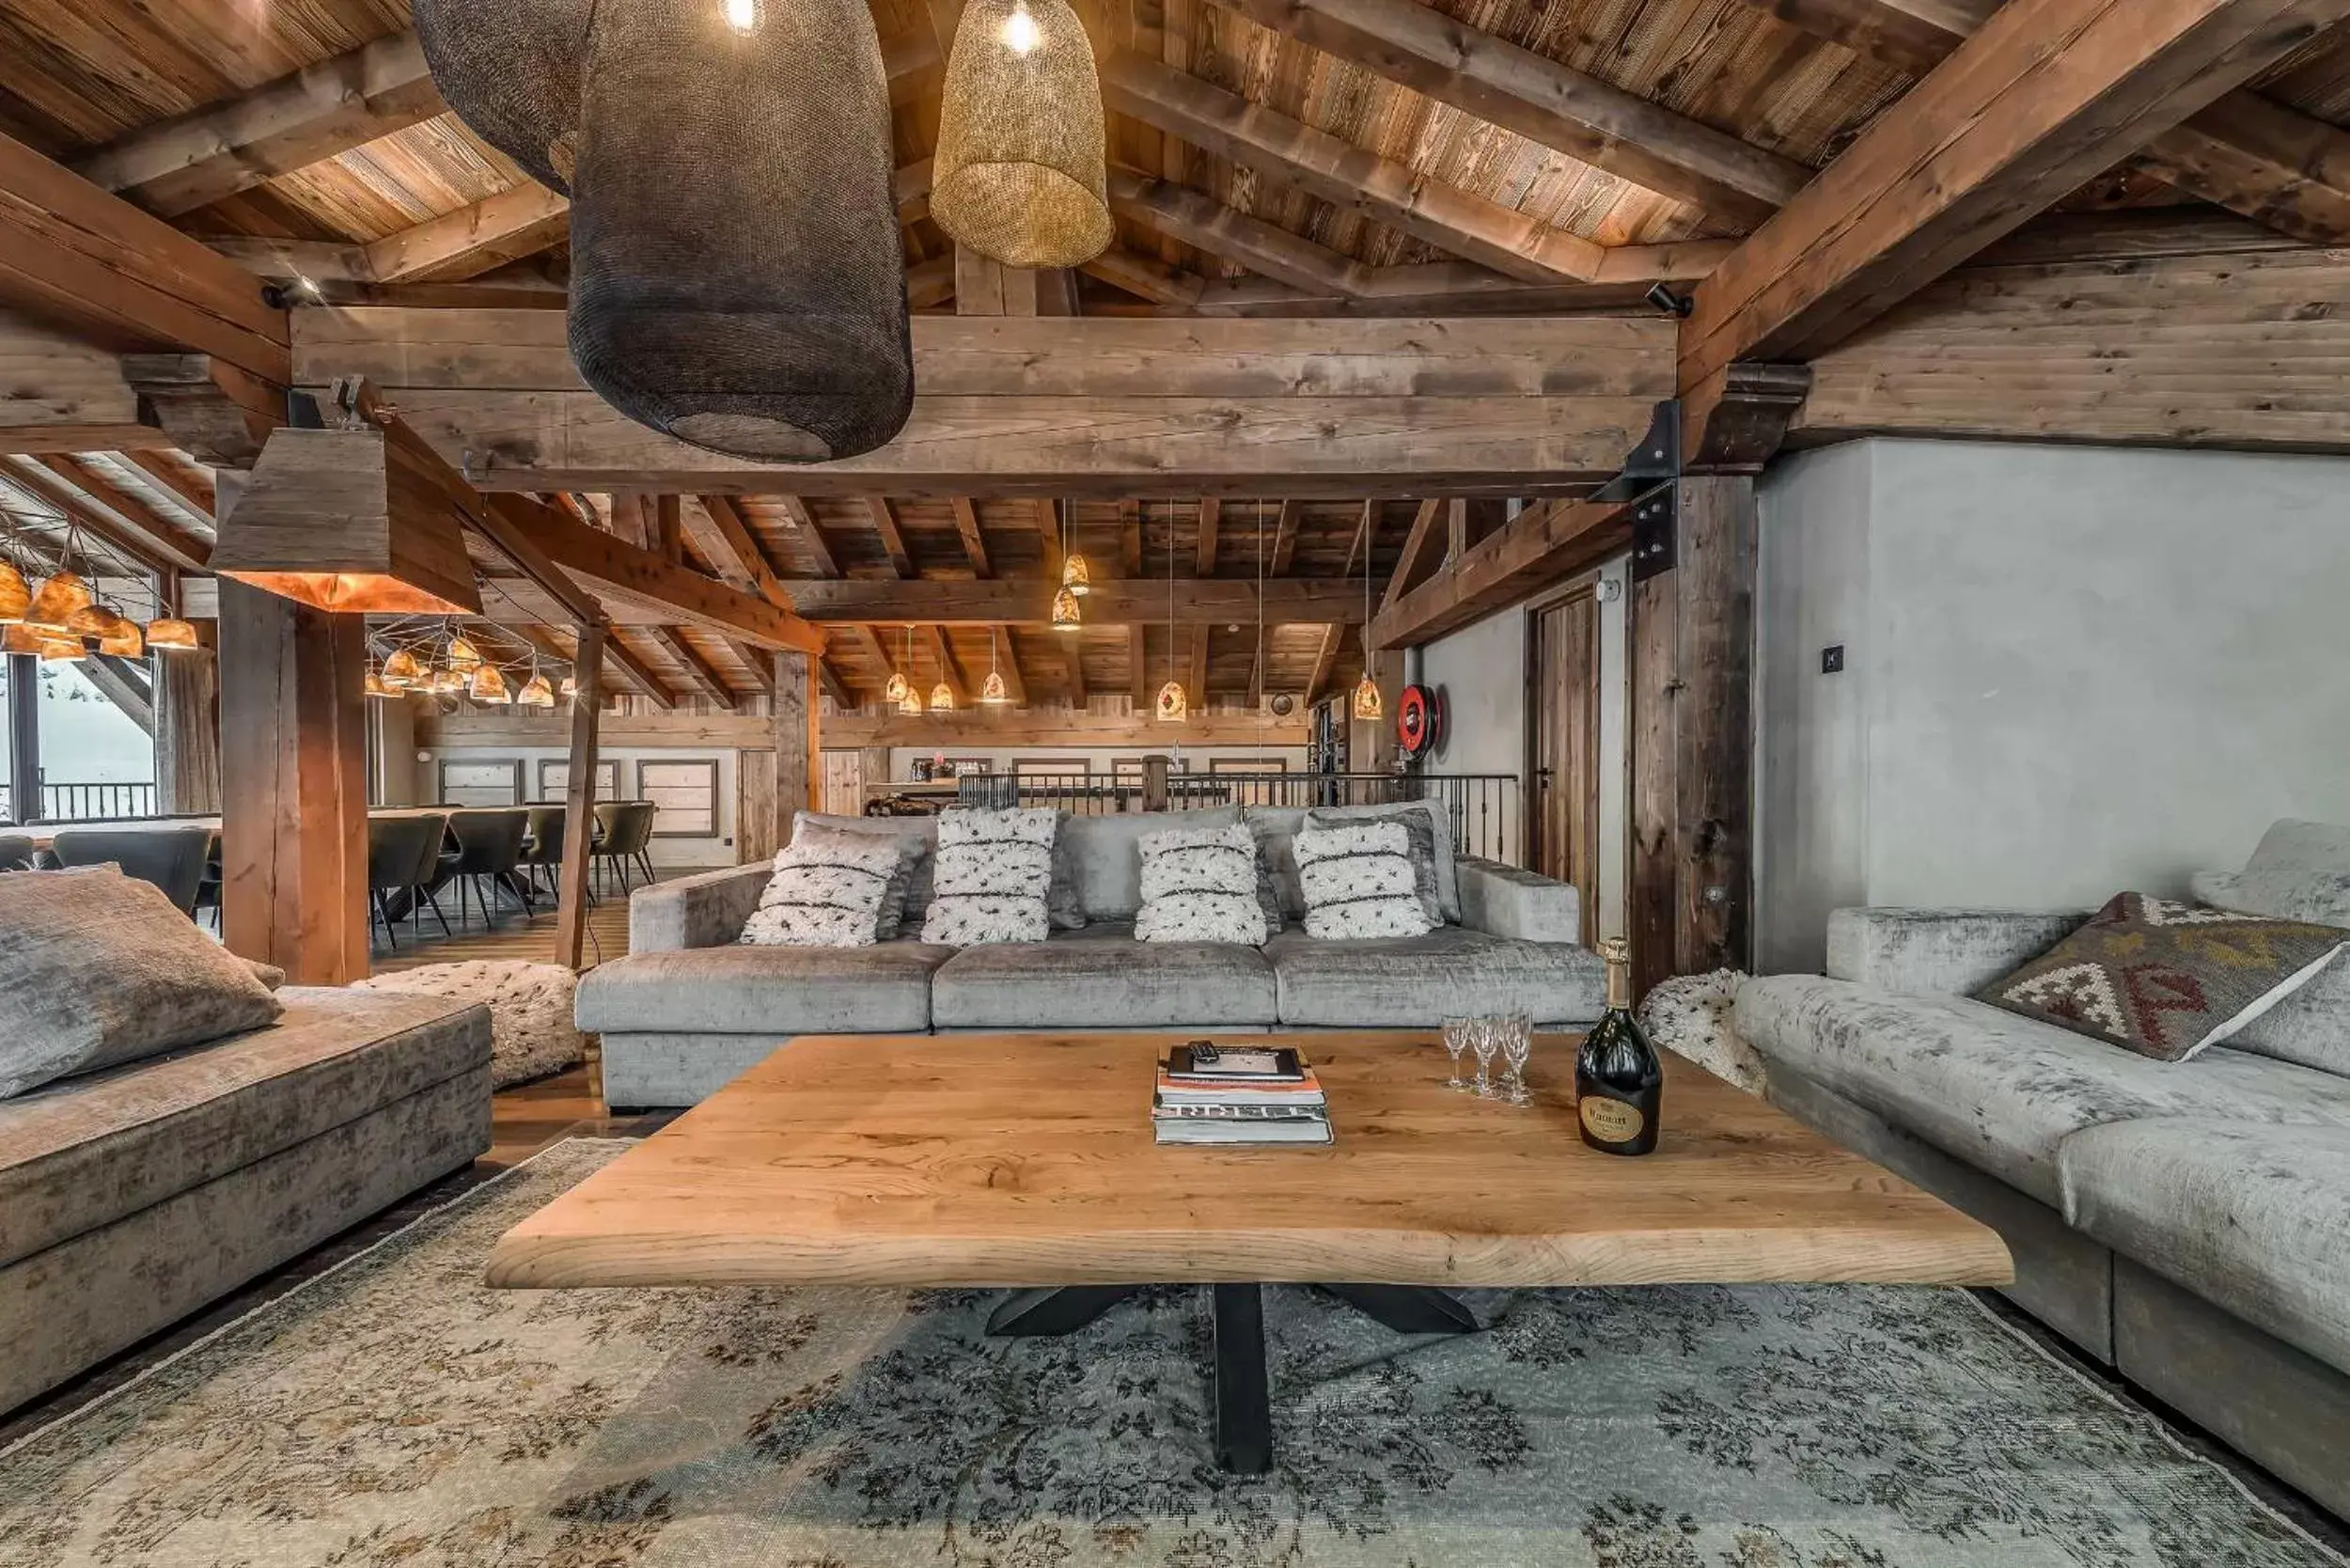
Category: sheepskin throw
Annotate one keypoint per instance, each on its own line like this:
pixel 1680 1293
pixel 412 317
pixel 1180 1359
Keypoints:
pixel 1359 882
pixel 1690 1015
pixel 994 872
pixel 531 1033
pixel 1200 884
pixel 828 891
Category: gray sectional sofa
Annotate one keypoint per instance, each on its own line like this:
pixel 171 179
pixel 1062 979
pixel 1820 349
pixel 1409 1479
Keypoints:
pixel 2187 1224
pixel 133 1197
pixel 689 1009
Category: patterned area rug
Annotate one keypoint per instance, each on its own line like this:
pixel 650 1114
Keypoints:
pixel 395 1412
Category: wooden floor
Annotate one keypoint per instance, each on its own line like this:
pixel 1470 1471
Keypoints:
pixel 515 935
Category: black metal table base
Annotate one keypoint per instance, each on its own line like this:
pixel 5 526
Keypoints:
pixel 1244 1405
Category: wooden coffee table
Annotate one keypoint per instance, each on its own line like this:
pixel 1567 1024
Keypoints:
pixel 1026 1161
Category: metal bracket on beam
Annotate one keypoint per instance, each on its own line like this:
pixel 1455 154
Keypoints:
pixel 1656 459
pixel 1656 524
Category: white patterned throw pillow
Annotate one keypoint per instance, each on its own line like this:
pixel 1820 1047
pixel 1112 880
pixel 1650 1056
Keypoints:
pixel 826 892
pixel 1359 883
pixel 1200 884
pixel 994 871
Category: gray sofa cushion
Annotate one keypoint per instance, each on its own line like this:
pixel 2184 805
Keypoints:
pixel 84 1152
pixel 1418 981
pixel 2299 872
pixel 1104 855
pixel 97 968
pixel 1923 952
pixel 924 830
pixel 706 910
pixel 2003 1092
pixel 2253 1217
pixel 883 989
pixel 1505 900
pixel 2312 1026
pixel 1102 977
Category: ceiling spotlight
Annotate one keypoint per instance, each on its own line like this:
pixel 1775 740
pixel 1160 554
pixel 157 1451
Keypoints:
pixel 1662 296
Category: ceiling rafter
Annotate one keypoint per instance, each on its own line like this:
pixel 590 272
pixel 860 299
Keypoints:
pixel 697 667
pixel 1541 99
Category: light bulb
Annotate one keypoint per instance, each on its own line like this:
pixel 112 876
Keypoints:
pixel 742 15
pixel 1020 33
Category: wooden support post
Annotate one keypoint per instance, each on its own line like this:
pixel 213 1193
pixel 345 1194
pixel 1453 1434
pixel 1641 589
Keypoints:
pixel 1154 782
pixel 799 765
pixel 579 801
pixel 1691 887
pixel 294 786
pixel 187 727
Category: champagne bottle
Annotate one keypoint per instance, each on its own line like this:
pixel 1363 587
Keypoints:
pixel 1619 1080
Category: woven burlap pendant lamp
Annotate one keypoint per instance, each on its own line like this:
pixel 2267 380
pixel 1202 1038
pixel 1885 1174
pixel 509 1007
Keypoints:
pixel 738 277
pixel 1019 174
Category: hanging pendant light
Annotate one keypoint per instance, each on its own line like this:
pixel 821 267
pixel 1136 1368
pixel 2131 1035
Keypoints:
pixel 15 593
pixel 897 689
pixel 20 638
pixel 942 699
pixel 1172 706
pixel 901 690
pixel 1021 175
pixel 463 656
pixel 1075 576
pixel 172 633
pixel 401 671
pixel 91 620
pixel 537 692
pixel 993 692
pixel 376 688
pixel 448 682
pixel 124 641
pixel 57 649
pixel 488 685
pixel 1366 702
pixel 1067 617
pixel 56 601
pixel 569 688
pixel 911 704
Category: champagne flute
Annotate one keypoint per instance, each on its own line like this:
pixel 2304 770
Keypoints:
pixel 1455 1041
pixel 1485 1038
pixel 1517 1044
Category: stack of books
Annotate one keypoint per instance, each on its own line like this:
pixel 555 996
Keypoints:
pixel 1238 1094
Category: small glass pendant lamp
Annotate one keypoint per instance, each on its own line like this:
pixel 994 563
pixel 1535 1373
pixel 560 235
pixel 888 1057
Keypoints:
pixel 56 601
pixel 1172 706
pixel 993 692
pixel 16 594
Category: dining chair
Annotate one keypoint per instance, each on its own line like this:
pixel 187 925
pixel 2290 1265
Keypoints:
pixel 397 847
pixel 16 852
pixel 173 858
pixel 625 837
pixel 489 847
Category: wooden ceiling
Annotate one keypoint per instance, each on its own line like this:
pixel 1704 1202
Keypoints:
pixel 1268 156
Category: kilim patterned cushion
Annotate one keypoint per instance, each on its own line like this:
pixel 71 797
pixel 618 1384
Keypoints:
pixel 2166 980
pixel 1200 884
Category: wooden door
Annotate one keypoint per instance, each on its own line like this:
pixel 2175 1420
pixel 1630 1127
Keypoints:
pixel 1563 741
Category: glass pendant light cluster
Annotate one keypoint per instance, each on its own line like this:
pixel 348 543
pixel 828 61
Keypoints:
pixel 433 659
pixel 65 619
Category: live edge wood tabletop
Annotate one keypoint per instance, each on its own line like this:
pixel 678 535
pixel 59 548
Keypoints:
pixel 1028 1160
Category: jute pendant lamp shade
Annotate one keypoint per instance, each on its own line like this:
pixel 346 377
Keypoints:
pixel 1019 174
pixel 16 594
pixel 737 279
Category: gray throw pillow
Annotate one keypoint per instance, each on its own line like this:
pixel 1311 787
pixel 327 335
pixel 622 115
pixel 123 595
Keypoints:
pixel 1431 849
pixel 1062 905
pixel 96 969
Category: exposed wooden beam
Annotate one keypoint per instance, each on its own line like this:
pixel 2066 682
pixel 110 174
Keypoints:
pixel 1210 518
pixel 192 485
pixel 698 669
pixel 606 565
pixel 730 541
pixel 1208 224
pixel 755 661
pixel 876 650
pixel 1544 545
pixel 1197 680
pixel 1338 171
pixel 1114 601
pixel 210 409
pixel 950 668
pixel 287 124
pixel 2245 153
pixel 804 524
pixel 849 731
pixel 669 527
pixel 155 537
pixel 1139 666
pixel 2046 94
pixel 1326 664
pixel 1079 406
pixel 73 254
pixel 1285 539
pixel 121 542
pixel 833 687
pixel 1147 278
pixel 974 542
pixel 617 659
pixel 579 797
pixel 1422 547
pixel 930 282
pixel 893 540
pixel 1587 119
pixel 473 240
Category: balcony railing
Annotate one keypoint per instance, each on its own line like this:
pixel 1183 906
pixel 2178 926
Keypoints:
pixel 74 802
pixel 1482 807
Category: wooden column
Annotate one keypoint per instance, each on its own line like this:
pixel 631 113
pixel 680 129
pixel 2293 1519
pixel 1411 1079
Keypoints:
pixel 799 766
pixel 579 801
pixel 1154 781
pixel 1690 894
pixel 293 786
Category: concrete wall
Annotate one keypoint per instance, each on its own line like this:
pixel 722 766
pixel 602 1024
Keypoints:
pixel 2069 672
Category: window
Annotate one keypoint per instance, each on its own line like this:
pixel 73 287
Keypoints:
pixel 554 778
pixel 686 795
pixel 95 759
pixel 496 782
